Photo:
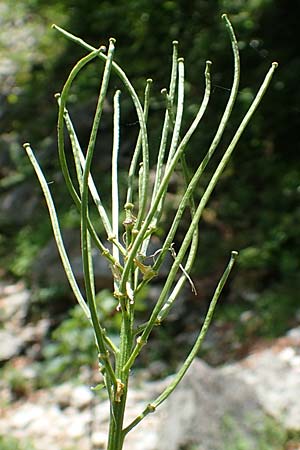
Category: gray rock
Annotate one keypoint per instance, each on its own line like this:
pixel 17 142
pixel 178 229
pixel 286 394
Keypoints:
pixel 10 345
pixel 294 333
pixel 69 395
pixel 99 439
pixel 25 415
pixel 14 303
pixel 35 332
pixel 207 410
pixel 81 397
pixel 20 198
pixel 48 268
pixel 211 407
pixel 274 377
pixel 16 334
pixel 62 394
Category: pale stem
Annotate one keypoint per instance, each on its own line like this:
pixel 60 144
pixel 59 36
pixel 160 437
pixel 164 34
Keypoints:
pixel 179 111
pixel 114 174
pixel 143 176
pixel 165 130
pixel 92 187
pixel 175 136
pixel 136 153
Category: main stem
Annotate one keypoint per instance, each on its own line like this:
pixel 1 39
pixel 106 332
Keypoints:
pixel 118 402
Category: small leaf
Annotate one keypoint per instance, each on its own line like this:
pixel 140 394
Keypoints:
pixel 99 387
pixel 147 271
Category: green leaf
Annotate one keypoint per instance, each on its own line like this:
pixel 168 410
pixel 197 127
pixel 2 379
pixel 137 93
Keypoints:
pixel 99 387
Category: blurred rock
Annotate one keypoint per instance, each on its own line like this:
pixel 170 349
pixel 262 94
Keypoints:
pixel 81 397
pixel 294 333
pixel 99 439
pixel 206 408
pixel 25 415
pixel 22 42
pixel 274 376
pixel 62 394
pixel 210 409
pixel 16 335
pixel 48 269
pixel 23 198
pixel 10 345
pixel 14 303
pixel 212 406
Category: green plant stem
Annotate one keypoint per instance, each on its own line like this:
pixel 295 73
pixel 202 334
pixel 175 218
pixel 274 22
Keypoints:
pixel 116 436
pixel 216 140
pixel 136 156
pixel 195 179
pixel 139 110
pixel 179 111
pixel 98 330
pixel 59 241
pixel 163 186
pixel 56 230
pixel 60 131
pixel 80 183
pixel 140 219
pixel 175 135
pixel 193 353
pixel 136 153
pixel 194 244
pixel 165 129
pixel 188 194
pixel 78 154
pixel 141 340
pixel 177 69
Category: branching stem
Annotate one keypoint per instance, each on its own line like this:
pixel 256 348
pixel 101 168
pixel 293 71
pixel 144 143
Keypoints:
pixel 143 211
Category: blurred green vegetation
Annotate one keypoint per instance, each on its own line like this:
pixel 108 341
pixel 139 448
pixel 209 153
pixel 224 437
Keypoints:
pixel 270 435
pixel 72 343
pixel 255 208
pixel 10 443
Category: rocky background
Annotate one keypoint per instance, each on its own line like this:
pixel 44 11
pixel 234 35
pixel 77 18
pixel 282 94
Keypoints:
pixel 250 404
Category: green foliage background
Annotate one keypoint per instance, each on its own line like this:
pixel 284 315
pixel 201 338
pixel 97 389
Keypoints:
pixel 256 206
